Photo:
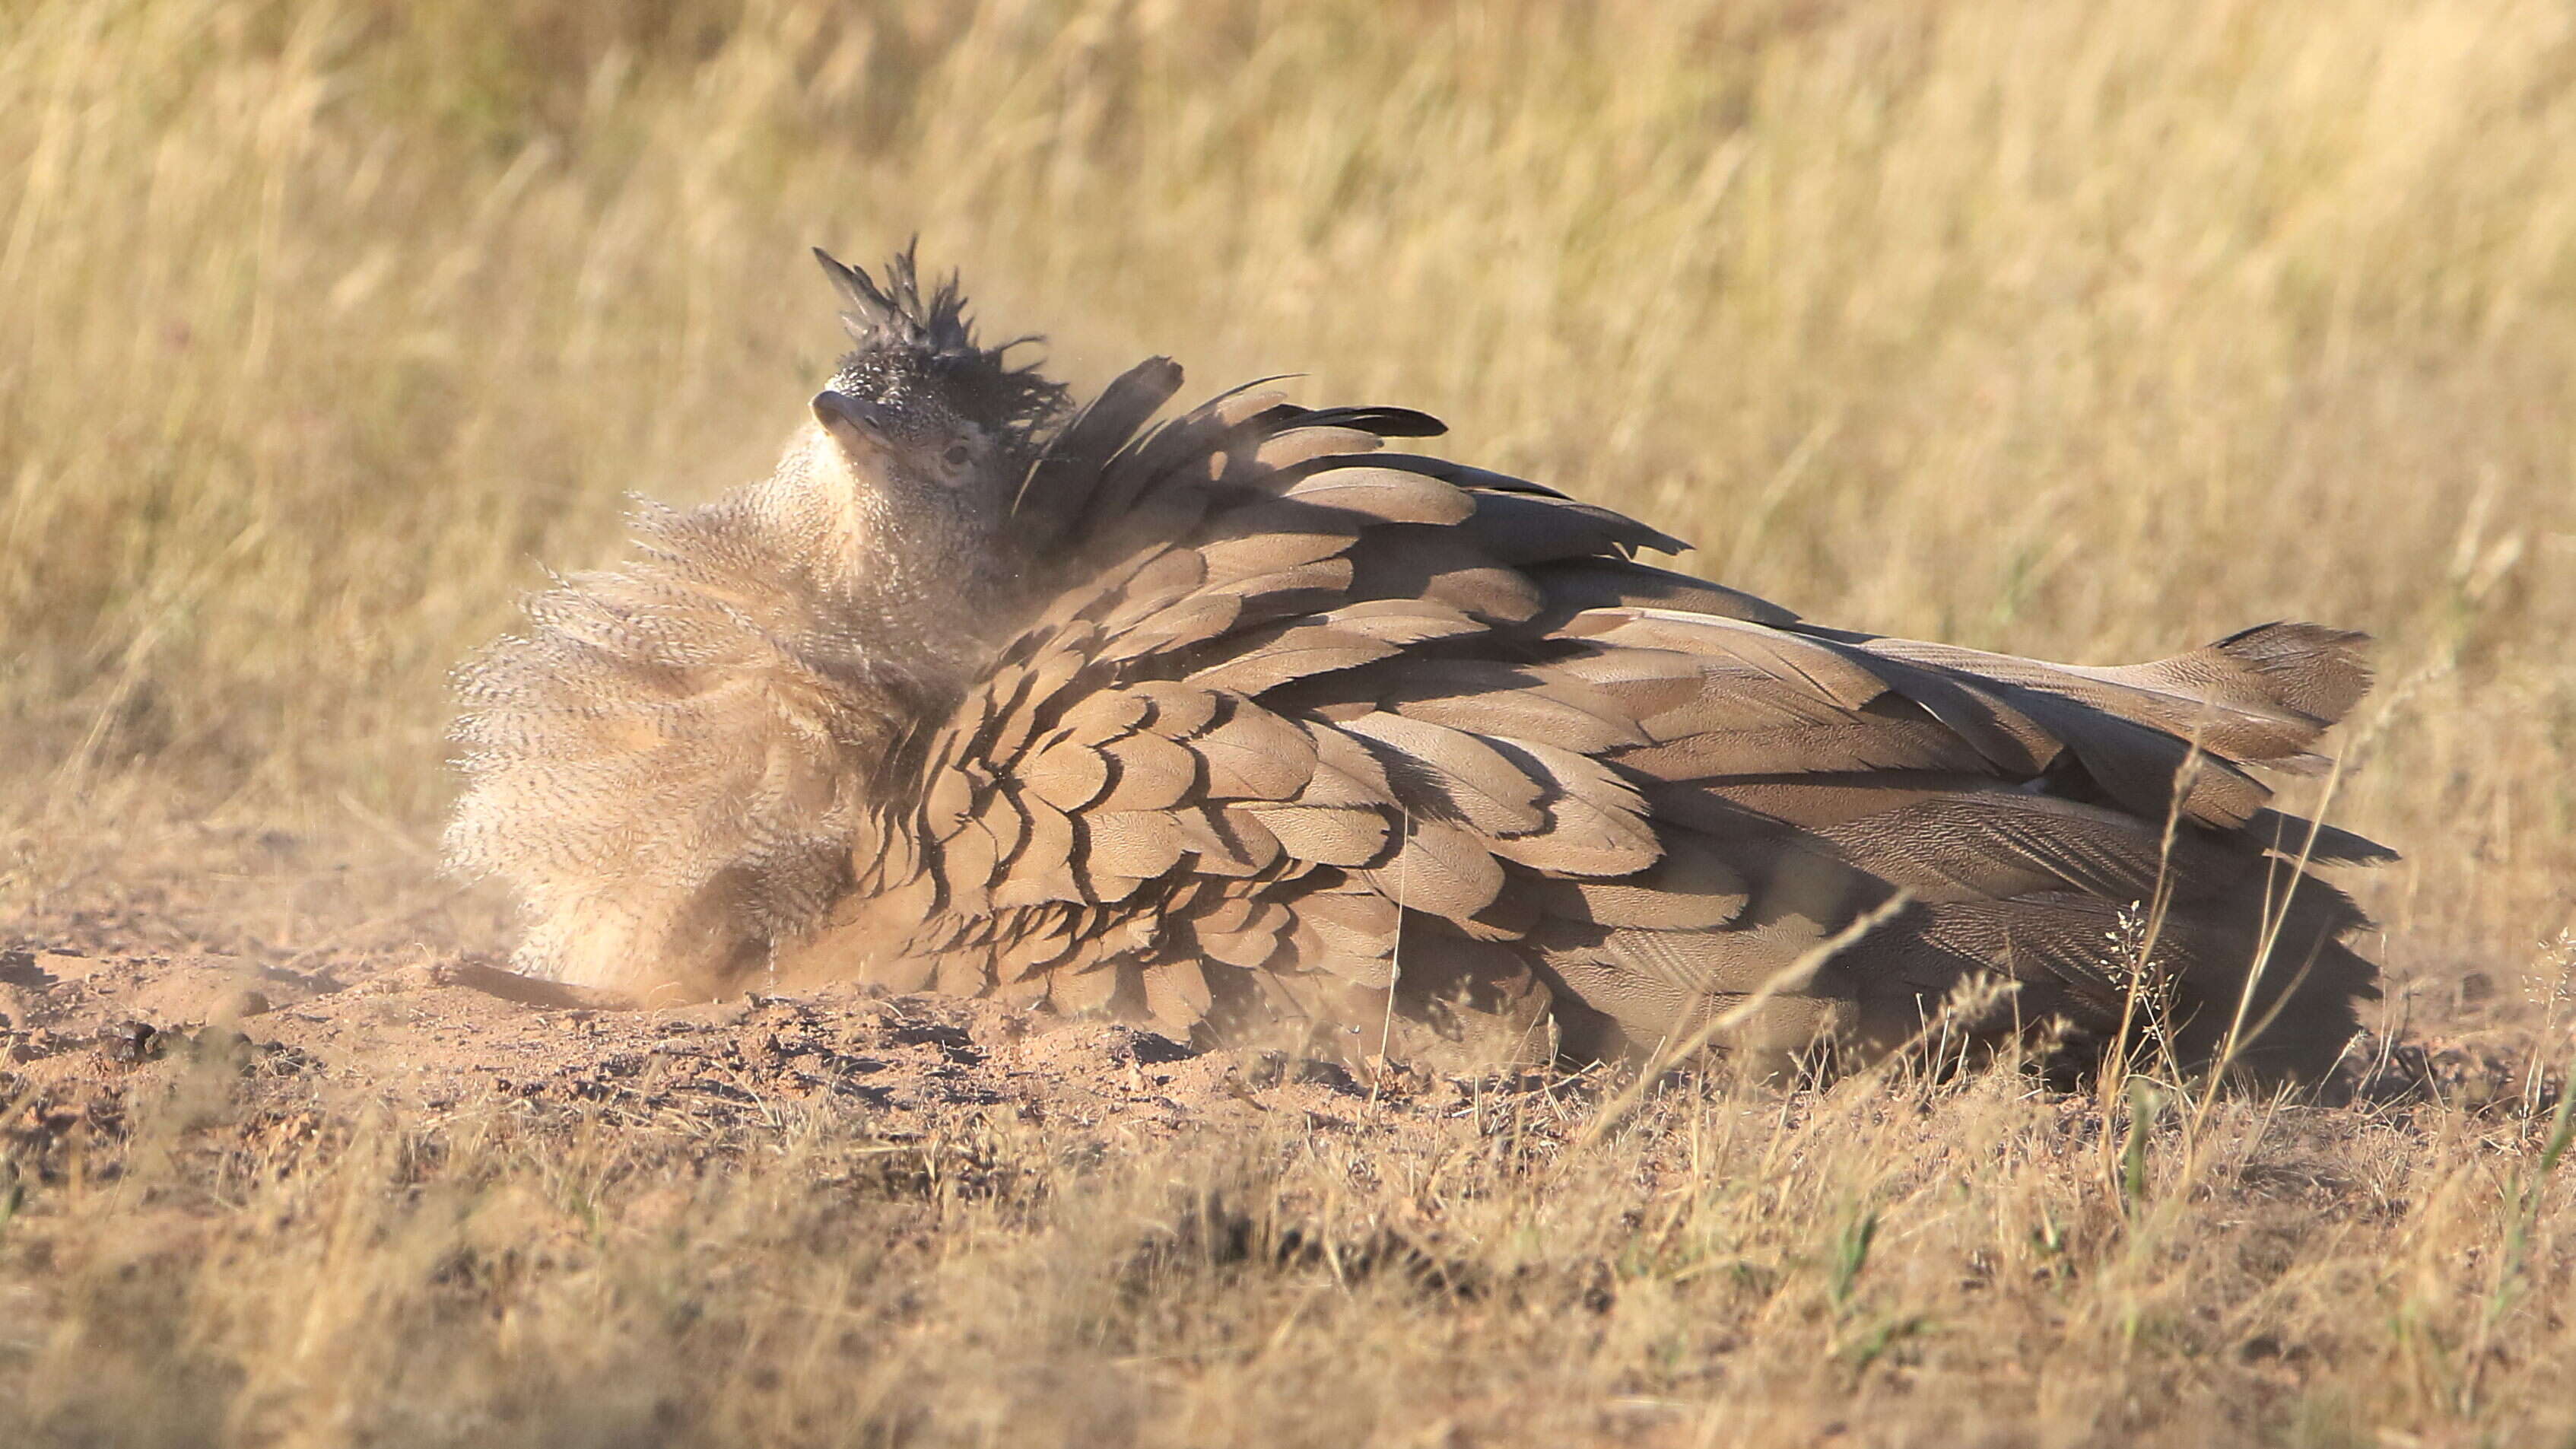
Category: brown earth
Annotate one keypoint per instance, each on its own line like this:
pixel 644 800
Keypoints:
pixel 324 992
pixel 433 1039
pixel 280 1141
pixel 333 989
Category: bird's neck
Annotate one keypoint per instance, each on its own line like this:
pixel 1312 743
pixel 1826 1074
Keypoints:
pixel 902 613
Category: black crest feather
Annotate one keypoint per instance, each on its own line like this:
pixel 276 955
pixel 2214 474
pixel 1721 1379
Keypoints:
pixel 908 339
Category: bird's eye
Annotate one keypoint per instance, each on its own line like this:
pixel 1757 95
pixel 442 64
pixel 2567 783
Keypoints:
pixel 958 455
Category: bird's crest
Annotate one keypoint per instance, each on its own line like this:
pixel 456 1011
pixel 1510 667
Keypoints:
pixel 907 340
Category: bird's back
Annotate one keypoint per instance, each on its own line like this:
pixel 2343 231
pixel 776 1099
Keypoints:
pixel 1295 725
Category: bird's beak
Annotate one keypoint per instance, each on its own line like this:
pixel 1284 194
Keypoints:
pixel 851 421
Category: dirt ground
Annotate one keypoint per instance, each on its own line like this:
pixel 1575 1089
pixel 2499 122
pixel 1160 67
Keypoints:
pixel 322 1000
pixel 458 1034
pixel 326 989
pixel 288 1157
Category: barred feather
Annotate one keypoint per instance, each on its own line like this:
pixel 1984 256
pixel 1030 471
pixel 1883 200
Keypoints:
pixel 1268 720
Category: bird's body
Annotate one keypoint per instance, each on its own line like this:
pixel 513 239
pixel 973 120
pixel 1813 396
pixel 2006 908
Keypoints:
pixel 1245 718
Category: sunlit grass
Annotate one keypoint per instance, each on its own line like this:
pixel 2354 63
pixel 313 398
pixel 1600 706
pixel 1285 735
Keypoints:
pixel 1916 1262
pixel 2083 331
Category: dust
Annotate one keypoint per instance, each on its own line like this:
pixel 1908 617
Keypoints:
pixel 459 1035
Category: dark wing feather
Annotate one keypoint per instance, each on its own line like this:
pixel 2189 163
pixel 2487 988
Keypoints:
pixel 1297 708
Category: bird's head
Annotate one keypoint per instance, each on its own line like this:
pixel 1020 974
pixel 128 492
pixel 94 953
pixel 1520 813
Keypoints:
pixel 929 432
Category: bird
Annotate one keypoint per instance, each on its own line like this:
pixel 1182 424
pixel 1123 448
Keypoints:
pixel 1243 717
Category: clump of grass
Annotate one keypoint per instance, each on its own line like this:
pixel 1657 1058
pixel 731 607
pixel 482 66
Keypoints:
pixel 1900 1254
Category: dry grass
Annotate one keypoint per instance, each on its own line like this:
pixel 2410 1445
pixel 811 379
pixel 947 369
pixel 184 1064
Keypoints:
pixel 2083 331
pixel 1887 1261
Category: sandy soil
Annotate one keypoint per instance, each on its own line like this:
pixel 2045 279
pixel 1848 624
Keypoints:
pixel 321 988
pixel 317 994
pixel 457 1033
pixel 89 1028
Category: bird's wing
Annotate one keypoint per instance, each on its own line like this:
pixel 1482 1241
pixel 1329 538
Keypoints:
pixel 1306 714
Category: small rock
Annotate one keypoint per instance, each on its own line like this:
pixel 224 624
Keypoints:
pixel 242 1005
pixel 129 1042
pixel 19 968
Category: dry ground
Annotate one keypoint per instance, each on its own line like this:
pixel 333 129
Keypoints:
pixel 286 1165
pixel 2082 331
